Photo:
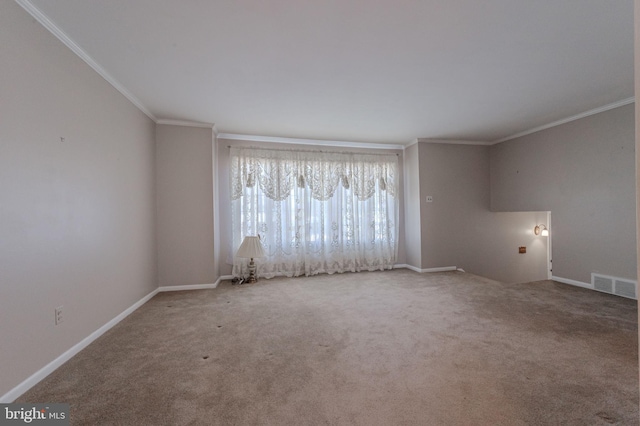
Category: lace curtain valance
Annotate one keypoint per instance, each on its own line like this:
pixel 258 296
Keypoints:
pixel 278 172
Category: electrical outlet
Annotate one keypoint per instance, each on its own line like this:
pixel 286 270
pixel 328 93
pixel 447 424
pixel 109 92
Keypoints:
pixel 429 199
pixel 58 315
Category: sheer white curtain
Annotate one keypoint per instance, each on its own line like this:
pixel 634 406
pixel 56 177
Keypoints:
pixel 315 211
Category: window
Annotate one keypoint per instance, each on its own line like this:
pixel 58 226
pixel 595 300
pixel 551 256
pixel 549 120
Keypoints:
pixel 315 211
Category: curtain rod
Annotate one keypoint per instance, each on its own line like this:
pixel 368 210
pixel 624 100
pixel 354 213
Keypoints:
pixel 313 150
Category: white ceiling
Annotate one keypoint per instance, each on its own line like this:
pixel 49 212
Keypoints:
pixel 386 71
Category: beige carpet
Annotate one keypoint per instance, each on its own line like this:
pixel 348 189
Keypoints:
pixel 375 348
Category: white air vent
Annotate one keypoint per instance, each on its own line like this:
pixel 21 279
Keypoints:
pixel 626 288
pixel 601 283
pixel 613 285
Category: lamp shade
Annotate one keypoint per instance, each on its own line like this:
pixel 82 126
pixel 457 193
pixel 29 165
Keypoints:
pixel 251 247
pixel 541 230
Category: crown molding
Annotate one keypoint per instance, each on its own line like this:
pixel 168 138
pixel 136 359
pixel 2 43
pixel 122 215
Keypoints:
pixel 64 38
pixel 185 123
pixel 315 142
pixel 568 119
pixel 75 48
pixel 454 142
pixel 413 142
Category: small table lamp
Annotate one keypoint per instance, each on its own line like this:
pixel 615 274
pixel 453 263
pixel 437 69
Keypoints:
pixel 250 248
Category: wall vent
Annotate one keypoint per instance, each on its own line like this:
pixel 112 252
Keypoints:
pixel 601 283
pixel 613 285
pixel 626 288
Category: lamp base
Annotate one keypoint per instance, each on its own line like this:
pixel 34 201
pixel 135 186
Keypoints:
pixel 252 273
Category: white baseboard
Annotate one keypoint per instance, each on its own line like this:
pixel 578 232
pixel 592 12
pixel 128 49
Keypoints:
pixel 572 282
pixel 413 268
pixel 402 266
pixel 187 287
pixel 53 365
pixel 224 278
pixel 195 286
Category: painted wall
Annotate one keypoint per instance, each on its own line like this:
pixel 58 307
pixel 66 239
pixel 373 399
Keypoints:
pixel 636 55
pixel 184 205
pixel 584 173
pixel 225 253
pixel 412 222
pixel 77 217
pixel 458 227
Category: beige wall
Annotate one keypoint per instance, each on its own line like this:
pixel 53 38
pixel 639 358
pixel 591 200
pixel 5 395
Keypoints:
pixel 412 222
pixel 583 172
pixel 185 205
pixel 637 137
pixel 459 229
pixel 224 199
pixel 77 217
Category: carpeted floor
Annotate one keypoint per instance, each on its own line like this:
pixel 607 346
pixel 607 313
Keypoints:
pixel 374 348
